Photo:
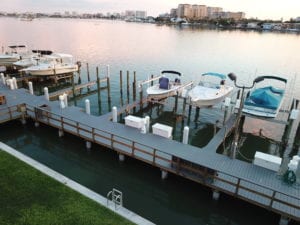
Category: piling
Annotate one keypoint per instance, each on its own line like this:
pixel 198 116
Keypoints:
pixel 15 83
pixel 88 74
pixel 176 102
pixel 121 87
pixel 88 145
pixel 65 95
pixel 87 107
pixel 127 85
pixel 98 89
pixel 164 174
pixel 60 133
pixel 73 90
pixel 30 87
pixel 216 195
pixel 185 139
pixel 11 84
pixel 152 76
pixel 121 157
pixel 61 102
pixel 147 121
pixel 141 96
pixel 2 78
pixel 108 88
pixel 46 93
pixel 134 87
pixel 115 114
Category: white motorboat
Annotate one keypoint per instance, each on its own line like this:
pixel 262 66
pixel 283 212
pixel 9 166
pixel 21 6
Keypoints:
pixel 15 53
pixel 265 101
pixel 54 64
pixel 207 93
pixel 165 87
pixel 37 57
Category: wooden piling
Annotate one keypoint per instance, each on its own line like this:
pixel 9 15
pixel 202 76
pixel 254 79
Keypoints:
pixel 176 103
pixel 73 90
pixel 121 88
pixel 98 90
pixel 134 90
pixel 108 92
pixel 152 76
pixel 88 74
pixel 127 85
pixel 141 97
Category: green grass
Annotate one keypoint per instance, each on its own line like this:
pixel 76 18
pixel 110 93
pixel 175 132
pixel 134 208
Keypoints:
pixel 29 197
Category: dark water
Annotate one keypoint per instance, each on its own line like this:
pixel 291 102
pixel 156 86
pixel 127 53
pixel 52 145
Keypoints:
pixel 171 201
pixel 148 49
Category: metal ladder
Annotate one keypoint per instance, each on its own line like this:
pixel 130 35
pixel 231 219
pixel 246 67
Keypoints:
pixel 116 197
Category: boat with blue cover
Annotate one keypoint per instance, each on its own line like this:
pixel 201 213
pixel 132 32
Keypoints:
pixel 265 101
pixel 208 93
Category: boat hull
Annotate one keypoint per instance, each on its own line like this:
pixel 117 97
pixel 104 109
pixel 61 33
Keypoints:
pixel 261 112
pixel 205 97
pixel 52 71
pixel 156 92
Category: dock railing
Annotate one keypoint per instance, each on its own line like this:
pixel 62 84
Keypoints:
pixel 245 189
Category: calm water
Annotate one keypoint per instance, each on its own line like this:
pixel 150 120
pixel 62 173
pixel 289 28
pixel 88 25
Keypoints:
pixel 148 49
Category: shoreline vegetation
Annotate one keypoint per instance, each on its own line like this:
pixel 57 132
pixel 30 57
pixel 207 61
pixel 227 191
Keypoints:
pixel 30 197
pixel 290 26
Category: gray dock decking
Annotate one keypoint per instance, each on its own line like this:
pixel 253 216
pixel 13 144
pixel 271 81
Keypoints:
pixel 234 177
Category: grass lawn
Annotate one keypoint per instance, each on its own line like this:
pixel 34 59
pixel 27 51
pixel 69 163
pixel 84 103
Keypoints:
pixel 29 197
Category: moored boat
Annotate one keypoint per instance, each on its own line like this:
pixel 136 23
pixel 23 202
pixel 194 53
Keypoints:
pixel 208 93
pixel 15 53
pixel 54 64
pixel 166 86
pixel 265 101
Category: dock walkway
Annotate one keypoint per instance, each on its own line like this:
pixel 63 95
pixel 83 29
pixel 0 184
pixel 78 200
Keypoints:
pixel 242 180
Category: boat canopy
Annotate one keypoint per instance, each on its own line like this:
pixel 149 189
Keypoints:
pixel 221 76
pixel 43 52
pixel 171 71
pixel 266 97
pixel 17 46
pixel 274 78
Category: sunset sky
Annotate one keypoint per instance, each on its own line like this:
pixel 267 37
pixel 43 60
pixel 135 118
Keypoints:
pixel 263 9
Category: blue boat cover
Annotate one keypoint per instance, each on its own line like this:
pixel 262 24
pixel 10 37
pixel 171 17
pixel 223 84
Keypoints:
pixel 221 76
pixel 164 83
pixel 266 97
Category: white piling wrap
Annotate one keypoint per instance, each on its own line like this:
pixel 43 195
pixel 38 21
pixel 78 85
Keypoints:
pixel 66 99
pixel 15 83
pixel 107 71
pixel 87 107
pixel 186 131
pixel 147 118
pixel 227 101
pixel 238 103
pixel 46 93
pixel 115 114
pixel 144 128
pixel 11 84
pixel 30 87
pixel 61 102
pixel 2 78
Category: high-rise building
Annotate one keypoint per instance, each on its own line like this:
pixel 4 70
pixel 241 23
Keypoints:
pixel 185 11
pixel 199 11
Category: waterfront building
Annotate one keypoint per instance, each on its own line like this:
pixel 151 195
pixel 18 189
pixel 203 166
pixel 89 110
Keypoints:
pixel 140 14
pixel 173 13
pixel 214 12
pixel 199 11
pixel 185 11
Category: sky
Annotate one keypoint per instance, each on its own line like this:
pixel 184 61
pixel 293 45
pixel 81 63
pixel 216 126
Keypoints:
pixel 262 9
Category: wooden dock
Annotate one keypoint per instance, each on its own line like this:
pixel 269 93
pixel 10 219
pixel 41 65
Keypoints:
pixel 239 179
